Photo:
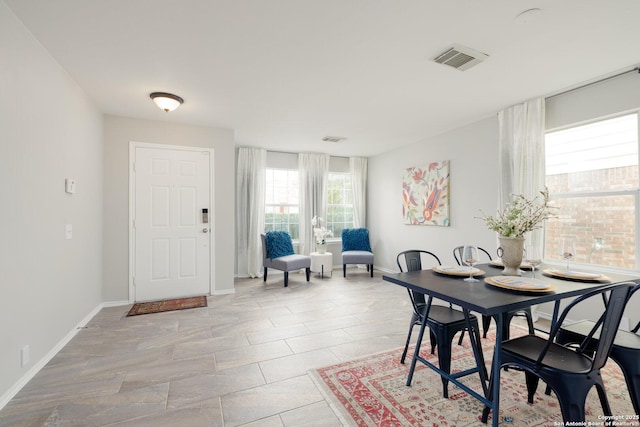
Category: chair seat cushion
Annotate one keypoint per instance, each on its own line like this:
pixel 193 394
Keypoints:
pixel 291 262
pixel 558 357
pixel 442 315
pixel 357 257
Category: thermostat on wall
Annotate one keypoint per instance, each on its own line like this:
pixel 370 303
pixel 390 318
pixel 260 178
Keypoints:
pixel 70 185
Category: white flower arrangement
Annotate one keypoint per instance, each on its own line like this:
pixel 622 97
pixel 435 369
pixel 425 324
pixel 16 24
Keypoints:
pixel 520 216
pixel 320 232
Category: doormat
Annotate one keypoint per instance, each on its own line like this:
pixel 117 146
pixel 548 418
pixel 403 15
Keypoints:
pixel 371 391
pixel 167 305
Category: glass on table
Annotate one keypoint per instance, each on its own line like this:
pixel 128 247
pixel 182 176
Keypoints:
pixel 568 250
pixel 470 258
pixel 533 255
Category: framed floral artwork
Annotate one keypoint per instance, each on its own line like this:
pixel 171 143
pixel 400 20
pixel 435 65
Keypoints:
pixel 425 194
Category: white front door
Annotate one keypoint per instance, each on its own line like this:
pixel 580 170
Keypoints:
pixel 171 234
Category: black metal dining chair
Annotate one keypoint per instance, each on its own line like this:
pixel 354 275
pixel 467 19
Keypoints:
pixel 486 320
pixel 443 321
pixel 625 350
pixel 570 372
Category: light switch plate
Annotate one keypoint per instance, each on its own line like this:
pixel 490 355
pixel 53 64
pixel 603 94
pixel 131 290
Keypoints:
pixel 68 232
pixel 70 185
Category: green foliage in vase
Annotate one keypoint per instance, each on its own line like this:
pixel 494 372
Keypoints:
pixel 520 215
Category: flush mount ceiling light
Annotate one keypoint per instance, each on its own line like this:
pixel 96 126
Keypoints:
pixel 166 101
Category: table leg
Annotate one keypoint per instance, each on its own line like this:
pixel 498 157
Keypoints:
pixel 494 383
pixel 416 352
pixel 554 318
pixel 322 271
pixel 474 337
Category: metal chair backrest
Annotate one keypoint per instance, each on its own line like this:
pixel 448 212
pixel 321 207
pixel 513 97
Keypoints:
pixel 585 344
pixel 457 253
pixel 413 259
pixel 633 291
pixel 413 262
pixel 610 321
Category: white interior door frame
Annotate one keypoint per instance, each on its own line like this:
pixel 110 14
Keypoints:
pixel 132 193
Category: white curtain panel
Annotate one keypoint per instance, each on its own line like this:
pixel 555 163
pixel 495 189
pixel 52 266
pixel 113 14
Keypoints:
pixel 313 172
pixel 250 184
pixel 358 169
pixel 522 162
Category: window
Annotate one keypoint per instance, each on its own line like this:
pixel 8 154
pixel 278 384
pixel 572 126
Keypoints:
pixel 592 176
pixel 339 203
pixel 281 202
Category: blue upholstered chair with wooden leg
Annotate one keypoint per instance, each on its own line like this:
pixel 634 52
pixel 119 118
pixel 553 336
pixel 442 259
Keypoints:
pixel 356 249
pixel 277 252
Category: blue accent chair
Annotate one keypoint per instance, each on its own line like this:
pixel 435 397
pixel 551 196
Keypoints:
pixel 286 263
pixel 356 249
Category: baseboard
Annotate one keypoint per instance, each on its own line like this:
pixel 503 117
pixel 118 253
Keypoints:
pixel 225 292
pixel 385 270
pixel 6 397
pixel 546 316
pixel 115 304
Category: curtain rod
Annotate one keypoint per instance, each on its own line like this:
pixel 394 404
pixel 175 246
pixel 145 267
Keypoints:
pixel 296 153
pixel 635 69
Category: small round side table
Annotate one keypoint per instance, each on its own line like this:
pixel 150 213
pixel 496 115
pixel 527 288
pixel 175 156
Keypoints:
pixel 321 263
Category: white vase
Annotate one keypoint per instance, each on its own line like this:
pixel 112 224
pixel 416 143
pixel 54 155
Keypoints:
pixel 321 248
pixel 511 251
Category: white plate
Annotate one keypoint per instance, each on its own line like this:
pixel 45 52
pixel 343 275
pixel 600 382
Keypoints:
pixel 457 270
pixel 569 274
pixel 520 283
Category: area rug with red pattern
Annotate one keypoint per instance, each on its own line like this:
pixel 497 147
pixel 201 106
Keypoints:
pixel 167 305
pixel 371 391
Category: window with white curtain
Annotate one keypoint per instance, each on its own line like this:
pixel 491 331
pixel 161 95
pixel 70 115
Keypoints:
pixel 340 203
pixel 592 177
pixel 282 204
pixel 281 201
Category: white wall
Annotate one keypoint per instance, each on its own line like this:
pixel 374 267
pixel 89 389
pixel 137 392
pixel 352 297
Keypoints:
pixel 49 131
pixel 473 154
pixel 118 133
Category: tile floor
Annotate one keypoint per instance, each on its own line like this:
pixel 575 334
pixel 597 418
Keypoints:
pixel 241 361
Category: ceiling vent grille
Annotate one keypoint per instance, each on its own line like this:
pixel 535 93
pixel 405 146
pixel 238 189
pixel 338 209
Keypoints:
pixel 460 57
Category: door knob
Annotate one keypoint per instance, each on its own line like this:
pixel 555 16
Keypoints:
pixel 205 230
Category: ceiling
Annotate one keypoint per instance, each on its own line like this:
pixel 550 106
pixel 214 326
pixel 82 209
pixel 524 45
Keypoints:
pixel 286 73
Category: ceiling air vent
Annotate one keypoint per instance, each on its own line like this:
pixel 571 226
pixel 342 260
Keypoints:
pixel 460 57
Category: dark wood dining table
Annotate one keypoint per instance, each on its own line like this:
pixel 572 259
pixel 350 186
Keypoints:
pixel 483 298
